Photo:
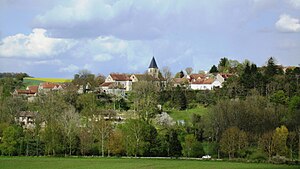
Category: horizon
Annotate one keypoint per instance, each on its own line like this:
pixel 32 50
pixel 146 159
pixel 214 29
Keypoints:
pixel 59 38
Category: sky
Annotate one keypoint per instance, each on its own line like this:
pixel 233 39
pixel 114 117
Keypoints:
pixel 58 38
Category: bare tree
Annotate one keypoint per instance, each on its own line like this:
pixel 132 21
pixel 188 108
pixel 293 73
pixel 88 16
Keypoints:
pixel 189 70
pixel 70 121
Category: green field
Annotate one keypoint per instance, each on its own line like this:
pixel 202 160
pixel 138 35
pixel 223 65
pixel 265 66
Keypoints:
pixel 116 163
pixel 186 114
pixel 36 81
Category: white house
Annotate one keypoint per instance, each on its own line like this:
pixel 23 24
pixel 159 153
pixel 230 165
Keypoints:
pixel 222 77
pixel 206 84
pixel 121 81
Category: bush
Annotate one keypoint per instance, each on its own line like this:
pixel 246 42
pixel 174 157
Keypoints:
pixel 258 156
pixel 278 159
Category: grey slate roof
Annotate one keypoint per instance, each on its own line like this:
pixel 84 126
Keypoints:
pixel 153 63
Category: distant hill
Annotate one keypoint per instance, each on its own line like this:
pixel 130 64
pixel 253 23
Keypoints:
pixel 36 81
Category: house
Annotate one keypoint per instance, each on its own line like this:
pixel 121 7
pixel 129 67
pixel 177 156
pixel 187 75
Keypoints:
pixel 30 92
pixel 47 86
pixel 182 82
pixel 26 119
pixel 120 80
pixel 120 83
pixel 205 84
pixel 196 77
pixel 222 77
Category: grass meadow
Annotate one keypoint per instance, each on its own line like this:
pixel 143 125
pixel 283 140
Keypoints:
pixel 187 114
pixel 126 163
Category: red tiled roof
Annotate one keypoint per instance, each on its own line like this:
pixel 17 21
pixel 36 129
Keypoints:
pixel 226 75
pixel 106 84
pixel 197 76
pixel 24 91
pixel 206 81
pixel 179 80
pixel 146 77
pixel 33 89
pixel 48 85
pixel 120 77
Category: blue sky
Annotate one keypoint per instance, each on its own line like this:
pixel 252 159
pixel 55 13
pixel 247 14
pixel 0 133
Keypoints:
pixel 57 38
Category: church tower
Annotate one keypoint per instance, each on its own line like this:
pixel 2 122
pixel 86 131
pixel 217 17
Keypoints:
pixel 153 69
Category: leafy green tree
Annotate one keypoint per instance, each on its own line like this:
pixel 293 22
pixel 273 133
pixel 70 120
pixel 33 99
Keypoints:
pixel 279 97
pixel 174 145
pixel 192 147
pixel 145 98
pixel 10 140
pixel 294 118
pixel 179 74
pixel 280 137
pixel 213 69
pixel 271 68
pixel 135 132
pixel 87 104
pixel 179 98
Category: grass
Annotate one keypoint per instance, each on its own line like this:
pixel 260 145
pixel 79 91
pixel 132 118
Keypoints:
pixel 125 163
pixel 186 114
pixel 36 81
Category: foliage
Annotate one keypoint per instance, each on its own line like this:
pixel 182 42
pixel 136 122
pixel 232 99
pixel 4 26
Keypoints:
pixel 233 140
pixel 213 69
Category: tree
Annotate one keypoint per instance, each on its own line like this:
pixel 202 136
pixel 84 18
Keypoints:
pixel 174 146
pixel 86 140
pixel 279 138
pixel 70 121
pixel 10 140
pixel 87 104
pixel 192 147
pixel 188 70
pixel 294 118
pixel 179 74
pixel 271 68
pixel 102 130
pixel 213 69
pixel 266 143
pixel 116 143
pixel 189 141
pixel 179 98
pixel 233 140
pixel 224 65
pixel 145 96
pixel 167 74
pixel 135 133
pixel 164 119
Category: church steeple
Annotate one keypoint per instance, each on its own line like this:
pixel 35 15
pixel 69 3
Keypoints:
pixel 153 63
pixel 153 68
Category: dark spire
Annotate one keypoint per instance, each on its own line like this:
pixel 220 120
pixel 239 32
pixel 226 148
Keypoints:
pixel 153 64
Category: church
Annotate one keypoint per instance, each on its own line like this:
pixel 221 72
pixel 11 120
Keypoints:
pixel 119 84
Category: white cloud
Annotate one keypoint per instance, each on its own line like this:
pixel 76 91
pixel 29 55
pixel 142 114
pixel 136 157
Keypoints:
pixel 295 3
pixel 288 24
pixel 44 62
pixel 102 57
pixel 35 45
pixel 70 69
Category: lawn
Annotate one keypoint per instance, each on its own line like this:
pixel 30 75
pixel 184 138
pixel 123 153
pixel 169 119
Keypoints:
pixel 186 114
pixel 116 163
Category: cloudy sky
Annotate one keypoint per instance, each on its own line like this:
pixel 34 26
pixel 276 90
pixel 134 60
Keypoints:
pixel 57 38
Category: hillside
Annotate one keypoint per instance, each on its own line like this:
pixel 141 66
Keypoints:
pixel 36 81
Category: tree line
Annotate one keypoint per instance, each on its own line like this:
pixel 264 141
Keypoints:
pixel 255 115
